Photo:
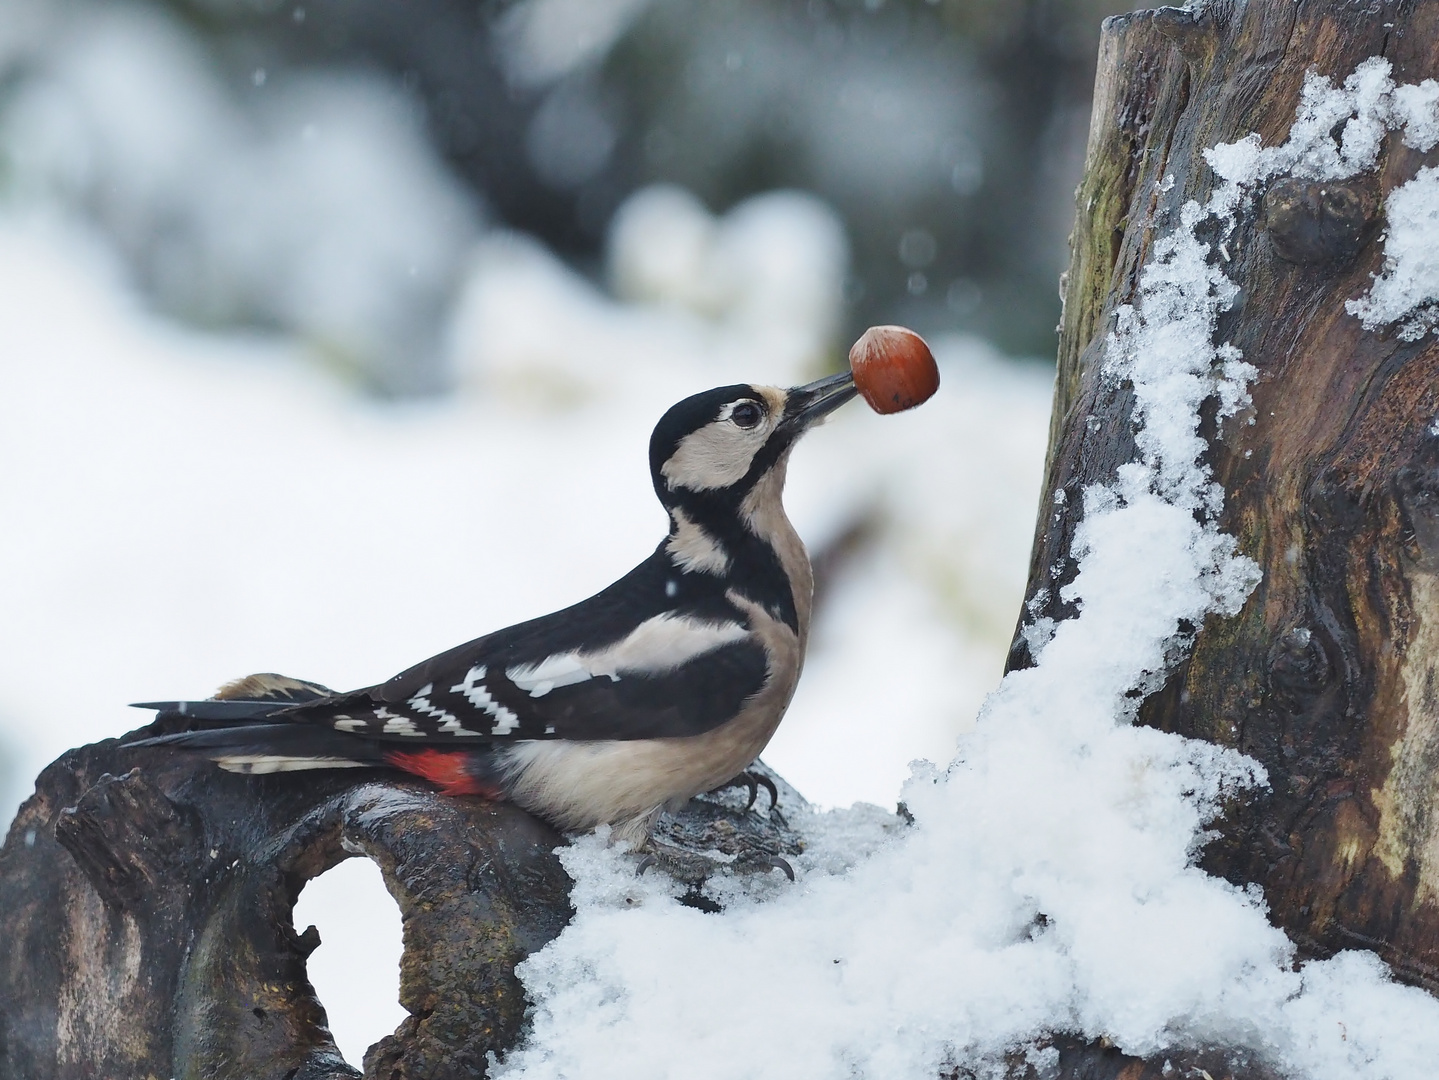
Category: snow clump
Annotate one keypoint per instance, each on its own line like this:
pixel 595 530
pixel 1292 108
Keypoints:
pixel 1408 290
pixel 1369 104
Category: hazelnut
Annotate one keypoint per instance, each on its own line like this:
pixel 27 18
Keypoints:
pixel 893 369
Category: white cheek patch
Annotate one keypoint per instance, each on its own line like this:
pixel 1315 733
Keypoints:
pixel 474 689
pixel 715 456
pixel 720 453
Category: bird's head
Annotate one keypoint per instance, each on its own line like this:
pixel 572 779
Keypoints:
pixel 718 445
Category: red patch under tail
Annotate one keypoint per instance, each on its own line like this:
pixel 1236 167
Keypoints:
pixel 450 769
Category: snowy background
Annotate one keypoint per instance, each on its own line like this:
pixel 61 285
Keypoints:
pixel 281 388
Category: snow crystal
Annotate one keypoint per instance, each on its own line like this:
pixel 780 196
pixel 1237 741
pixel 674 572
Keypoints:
pixel 1417 107
pixel 1047 881
pixel 1039 630
pixel 1362 105
pixel 1408 290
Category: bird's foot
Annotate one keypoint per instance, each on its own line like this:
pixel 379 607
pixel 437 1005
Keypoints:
pixel 693 868
pixel 752 779
pixel 715 838
pixel 685 864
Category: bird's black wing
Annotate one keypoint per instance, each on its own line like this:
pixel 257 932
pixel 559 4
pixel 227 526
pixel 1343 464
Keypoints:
pixel 652 656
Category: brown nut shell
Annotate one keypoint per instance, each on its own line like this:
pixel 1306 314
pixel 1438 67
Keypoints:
pixel 893 369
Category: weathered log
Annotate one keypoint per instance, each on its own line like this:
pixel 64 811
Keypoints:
pixel 1331 481
pixel 148 900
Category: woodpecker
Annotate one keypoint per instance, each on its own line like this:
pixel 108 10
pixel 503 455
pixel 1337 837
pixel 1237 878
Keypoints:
pixel 666 684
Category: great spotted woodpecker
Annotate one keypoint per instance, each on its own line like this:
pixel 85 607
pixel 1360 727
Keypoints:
pixel 666 684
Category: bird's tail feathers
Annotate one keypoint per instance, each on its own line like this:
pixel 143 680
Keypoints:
pixel 255 697
pixel 211 712
pixel 247 727
pixel 269 748
pixel 288 746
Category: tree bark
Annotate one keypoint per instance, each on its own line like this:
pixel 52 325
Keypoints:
pixel 148 898
pixel 1328 675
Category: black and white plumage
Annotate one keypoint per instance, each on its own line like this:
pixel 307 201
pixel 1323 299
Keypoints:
pixel 665 684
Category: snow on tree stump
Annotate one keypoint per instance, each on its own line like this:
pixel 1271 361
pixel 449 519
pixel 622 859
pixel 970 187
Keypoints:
pixel 1331 481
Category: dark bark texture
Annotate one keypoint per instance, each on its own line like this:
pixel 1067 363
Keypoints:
pixel 147 899
pixel 1328 675
pixel 148 902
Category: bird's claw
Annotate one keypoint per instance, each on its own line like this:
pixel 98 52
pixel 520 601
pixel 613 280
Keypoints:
pixel 768 784
pixel 693 867
pixel 776 863
pixel 754 781
pixel 753 786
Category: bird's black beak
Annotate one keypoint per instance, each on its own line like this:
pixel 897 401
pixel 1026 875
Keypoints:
pixel 806 404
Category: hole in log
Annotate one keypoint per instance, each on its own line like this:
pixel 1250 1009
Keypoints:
pixel 356 969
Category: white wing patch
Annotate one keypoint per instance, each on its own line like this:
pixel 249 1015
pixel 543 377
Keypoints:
pixel 661 644
pixel 561 669
pixel 656 647
pixel 349 723
pixel 473 687
pixel 449 722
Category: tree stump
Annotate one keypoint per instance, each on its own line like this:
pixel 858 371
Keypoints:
pixel 1331 481
pixel 149 896
pixel 148 901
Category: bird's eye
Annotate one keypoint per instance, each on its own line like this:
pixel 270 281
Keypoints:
pixel 746 414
